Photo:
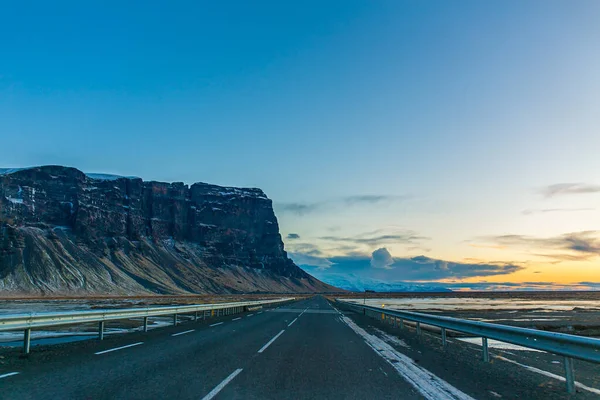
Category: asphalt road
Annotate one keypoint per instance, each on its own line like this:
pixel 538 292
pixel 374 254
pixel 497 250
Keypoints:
pixel 303 350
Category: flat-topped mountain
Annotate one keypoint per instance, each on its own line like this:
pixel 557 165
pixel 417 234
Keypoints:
pixel 65 232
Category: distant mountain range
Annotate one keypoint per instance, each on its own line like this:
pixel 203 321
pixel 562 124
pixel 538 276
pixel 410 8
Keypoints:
pixel 356 283
pixel 63 232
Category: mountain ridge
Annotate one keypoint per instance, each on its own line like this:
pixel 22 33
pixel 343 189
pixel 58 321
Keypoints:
pixel 63 232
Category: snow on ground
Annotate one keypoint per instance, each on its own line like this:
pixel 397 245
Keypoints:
pixel 496 344
pixel 392 339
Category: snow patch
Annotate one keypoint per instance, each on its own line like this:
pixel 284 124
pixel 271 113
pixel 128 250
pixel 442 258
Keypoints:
pixel 392 339
pixel 496 344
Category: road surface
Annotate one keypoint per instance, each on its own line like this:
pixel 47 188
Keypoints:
pixel 303 350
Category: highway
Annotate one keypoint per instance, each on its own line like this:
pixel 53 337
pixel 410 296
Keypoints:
pixel 303 350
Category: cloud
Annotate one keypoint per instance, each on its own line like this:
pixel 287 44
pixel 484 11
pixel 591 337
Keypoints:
pixel 381 258
pixel 551 210
pixel 408 237
pixel 574 246
pixel 304 208
pixel 310 260
pixel 583 244
pixel 305 248
pixel 562 189
pixel 372 199
pixel 292 236
pixel 406 269
pixel 300 209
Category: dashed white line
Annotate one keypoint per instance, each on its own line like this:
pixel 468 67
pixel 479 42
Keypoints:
pixel 218 323
pixel 221 385
pixel 249 315
pixel 271 341
pixel 119 348
pixel 9 374
pixel 238 318
pixel 183 333
pixel 259 312
pixel 290 324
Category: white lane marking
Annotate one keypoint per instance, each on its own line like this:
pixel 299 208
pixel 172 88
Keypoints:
pixel 249 315
pixel 429 385
pixel 259 312
pixel 183 333
pixel 9 374
pixel 271 341
pixel 218 323
pixel 221 385
pixel 119 348
pixel 290 324
pixel 235 319
pixel 548 374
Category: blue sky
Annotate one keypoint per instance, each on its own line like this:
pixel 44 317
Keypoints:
pixel 439 121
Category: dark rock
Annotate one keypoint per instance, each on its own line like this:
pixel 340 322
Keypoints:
pixel 64 232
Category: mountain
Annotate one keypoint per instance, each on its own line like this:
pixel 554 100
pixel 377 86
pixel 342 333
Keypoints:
pixel 356 283
pixel 65 232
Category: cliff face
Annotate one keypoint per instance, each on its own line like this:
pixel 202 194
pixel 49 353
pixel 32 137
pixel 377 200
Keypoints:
pixel 65 232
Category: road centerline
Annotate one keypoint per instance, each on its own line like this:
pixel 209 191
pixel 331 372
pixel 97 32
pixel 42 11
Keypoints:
pixel 119 348
pixel 271 341
pixel 237 319
pixel 291 323
pixel 9 374
pixel 183 333
pixel 221 385
pixel 218 323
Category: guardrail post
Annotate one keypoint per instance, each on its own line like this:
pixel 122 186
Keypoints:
pixel 486 352
pixel 175 319
pixel 196 316
pixel 203 315
pixel 145 324
pixel 419 329
pixel 26 340
pixel 444 341
pixel 401 323
pixel 101 330
pixel 570 375
pixel 395 322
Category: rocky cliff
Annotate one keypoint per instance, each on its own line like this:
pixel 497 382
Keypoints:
pixel 65 232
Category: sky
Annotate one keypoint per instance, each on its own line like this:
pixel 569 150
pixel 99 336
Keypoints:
pixel 403 140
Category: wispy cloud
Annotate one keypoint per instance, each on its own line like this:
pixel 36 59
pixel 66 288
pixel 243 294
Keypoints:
pixel 552 210
pixel 298 208
pixel 562 189
pixel 407 237
pixel 304 208
pixel 372 199
pixel 292 236
pixel 575 246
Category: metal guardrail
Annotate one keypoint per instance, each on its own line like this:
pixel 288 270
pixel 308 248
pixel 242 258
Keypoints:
pixel 29 321
pixel 568 346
